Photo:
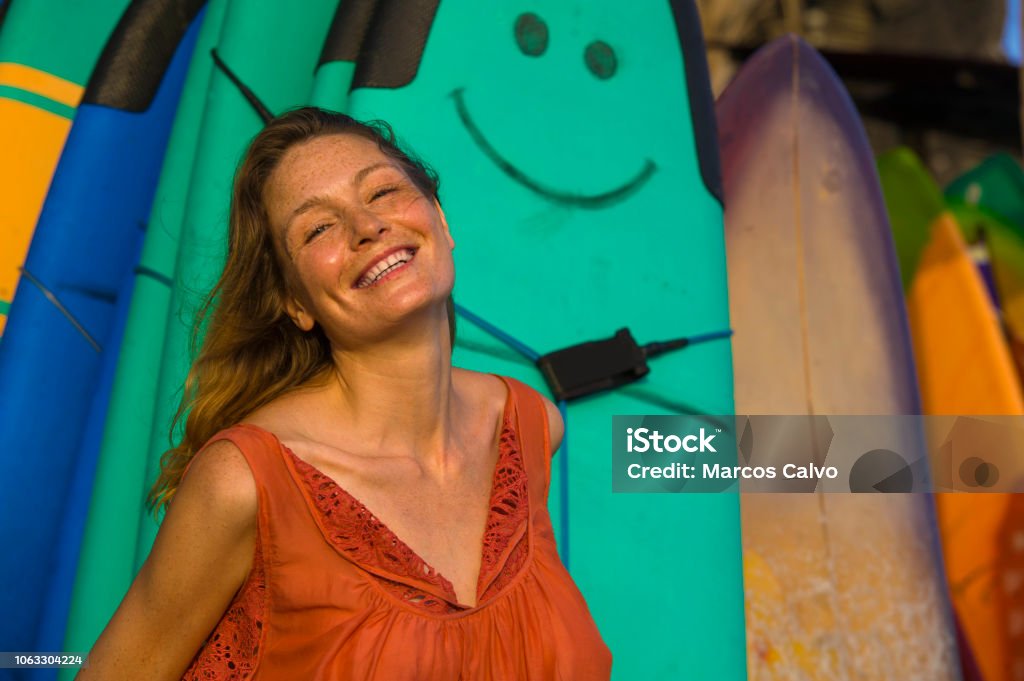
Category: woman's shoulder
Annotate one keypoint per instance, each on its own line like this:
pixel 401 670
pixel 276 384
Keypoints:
pixel 219 486
pixel 283 416
pixel 492 388
pixel 481 388
pixel 221 467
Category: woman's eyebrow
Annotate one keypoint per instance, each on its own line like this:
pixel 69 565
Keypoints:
pixel 361 175
pixel 308 204
pixel 319 200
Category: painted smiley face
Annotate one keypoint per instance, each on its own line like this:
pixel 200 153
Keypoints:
pixel 559 128
pixel 532 37
pixel 565 132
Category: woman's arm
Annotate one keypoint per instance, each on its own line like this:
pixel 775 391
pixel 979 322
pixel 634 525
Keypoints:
pixel 201 557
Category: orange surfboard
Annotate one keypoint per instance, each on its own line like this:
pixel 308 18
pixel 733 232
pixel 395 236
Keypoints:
pixel 965 367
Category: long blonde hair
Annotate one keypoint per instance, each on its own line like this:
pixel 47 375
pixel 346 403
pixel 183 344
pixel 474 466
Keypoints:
pixel 252 352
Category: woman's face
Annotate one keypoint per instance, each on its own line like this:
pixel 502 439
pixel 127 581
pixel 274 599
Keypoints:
pixel 365 250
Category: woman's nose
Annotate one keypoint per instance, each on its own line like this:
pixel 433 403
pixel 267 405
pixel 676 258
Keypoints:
pixel 367 226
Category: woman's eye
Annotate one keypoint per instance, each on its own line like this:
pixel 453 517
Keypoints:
pixel 316 231
pixel 383 191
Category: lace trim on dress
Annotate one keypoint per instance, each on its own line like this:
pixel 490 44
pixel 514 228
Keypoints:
pixel 364 539
pixel 509 512
pixel 231 652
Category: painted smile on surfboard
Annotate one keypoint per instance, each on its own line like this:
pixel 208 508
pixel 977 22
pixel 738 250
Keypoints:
pixel 592 201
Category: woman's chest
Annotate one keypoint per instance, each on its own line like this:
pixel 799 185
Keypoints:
pixel 439 523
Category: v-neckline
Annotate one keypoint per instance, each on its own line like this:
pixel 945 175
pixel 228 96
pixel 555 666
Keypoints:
pixel 424 572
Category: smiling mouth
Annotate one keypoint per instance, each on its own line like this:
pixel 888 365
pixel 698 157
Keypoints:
pixel 385 267
pixel 592 201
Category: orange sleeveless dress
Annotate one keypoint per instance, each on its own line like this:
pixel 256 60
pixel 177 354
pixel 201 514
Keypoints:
pixel 334 594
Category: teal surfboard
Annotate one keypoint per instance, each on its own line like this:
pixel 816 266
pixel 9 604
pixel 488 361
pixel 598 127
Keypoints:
pixel 997 184
pixel 578 157
pixel 333 77
pixel 280 72
pixel 116 516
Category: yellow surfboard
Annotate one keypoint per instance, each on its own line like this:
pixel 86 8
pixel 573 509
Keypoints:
pixel 47 51
pixel 31 138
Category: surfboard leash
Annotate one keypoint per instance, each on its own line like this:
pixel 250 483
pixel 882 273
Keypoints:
pixel 596 366
pixel 563 464
pixel 584 369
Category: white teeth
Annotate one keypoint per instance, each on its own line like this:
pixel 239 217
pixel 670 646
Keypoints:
pixel 385 266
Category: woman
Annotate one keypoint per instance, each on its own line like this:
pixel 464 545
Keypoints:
pixel 354 507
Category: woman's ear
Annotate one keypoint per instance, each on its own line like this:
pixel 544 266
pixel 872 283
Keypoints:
pixel 299 316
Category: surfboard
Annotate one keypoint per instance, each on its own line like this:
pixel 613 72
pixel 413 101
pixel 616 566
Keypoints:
pixel 47 51
pixel 85 243
pixel 964 367
pixel 990 195
pixel 105 566
pixel 280 73
pixel 913 200
pixel 60 334
pixel 576 147
pixel 282 76
pixel 997 184
pixel 1006 249
pixel 821 328
pixel 333 77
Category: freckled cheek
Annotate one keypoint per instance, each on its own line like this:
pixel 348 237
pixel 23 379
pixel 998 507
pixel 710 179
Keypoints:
pixel 325 267
pixel 418 211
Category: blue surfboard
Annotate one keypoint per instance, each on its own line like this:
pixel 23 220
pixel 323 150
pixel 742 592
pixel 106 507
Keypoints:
pixel 59 331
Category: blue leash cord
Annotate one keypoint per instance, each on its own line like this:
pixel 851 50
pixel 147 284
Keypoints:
pixel 563 463
pixel 533 356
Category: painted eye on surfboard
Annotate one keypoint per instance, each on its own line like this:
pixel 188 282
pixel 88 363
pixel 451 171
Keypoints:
pixel 531 34
pixel 600 59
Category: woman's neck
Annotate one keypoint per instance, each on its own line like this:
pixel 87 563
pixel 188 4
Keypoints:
pixel 399 398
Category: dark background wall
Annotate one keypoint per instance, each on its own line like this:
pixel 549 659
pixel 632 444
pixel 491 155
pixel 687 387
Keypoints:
pixel 929 74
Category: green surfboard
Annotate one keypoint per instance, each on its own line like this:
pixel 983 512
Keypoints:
pixel 337 65
pixel 184 253
pixel 280 73
pixel 997 184
pixel 576 147
pixel 913 201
